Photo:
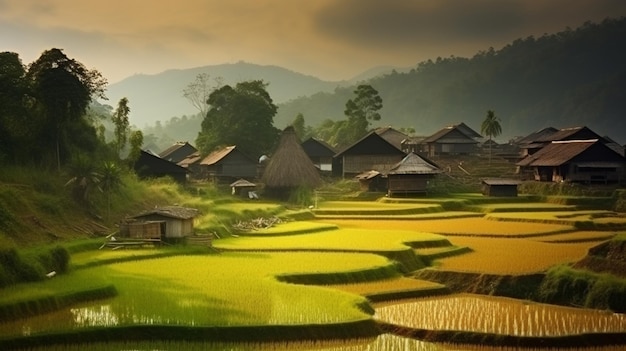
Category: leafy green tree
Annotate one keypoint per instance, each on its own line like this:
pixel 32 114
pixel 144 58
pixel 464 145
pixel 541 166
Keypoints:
pixel 302 130
pixel 62 89
pixel 13 90
pixel 365 105
pixel 491 127
pixel 121 123
pixel 241 116
pixel 361 111
pixel 136 141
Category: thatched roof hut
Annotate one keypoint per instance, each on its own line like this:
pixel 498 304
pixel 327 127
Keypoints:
pixel 289 167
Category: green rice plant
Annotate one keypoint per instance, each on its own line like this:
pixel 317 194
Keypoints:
pixel 566 285
pixel 191 291
pixel 382 342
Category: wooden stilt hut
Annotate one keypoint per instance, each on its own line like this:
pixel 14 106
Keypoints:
pixel 289 168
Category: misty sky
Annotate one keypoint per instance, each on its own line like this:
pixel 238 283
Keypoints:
pixel 330 39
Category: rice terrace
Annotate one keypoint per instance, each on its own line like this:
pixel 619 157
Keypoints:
pixel 461 272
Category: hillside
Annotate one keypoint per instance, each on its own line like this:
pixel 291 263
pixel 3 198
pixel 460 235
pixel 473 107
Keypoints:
pixel 574 77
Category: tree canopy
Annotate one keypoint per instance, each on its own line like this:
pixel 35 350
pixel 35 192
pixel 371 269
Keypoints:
pixel 44 107
pixel 242 115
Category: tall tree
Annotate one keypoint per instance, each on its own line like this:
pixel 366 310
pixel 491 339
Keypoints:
pixel 121 123
pixel 136 141
pixel 198 91
pixel 491 127
pixel 241 116
pixel 63 88
pixel 361 111
pixel 12 108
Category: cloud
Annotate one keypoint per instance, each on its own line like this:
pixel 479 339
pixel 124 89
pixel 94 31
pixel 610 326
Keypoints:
pixel 395 24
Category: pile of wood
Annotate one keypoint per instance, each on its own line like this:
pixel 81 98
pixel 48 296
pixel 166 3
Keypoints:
pixel 256 224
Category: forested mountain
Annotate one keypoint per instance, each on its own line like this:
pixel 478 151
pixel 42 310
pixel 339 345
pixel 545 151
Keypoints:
pixel 159 97
pixel 574 77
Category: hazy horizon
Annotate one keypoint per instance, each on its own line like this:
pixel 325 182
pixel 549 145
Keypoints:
pixel 329 39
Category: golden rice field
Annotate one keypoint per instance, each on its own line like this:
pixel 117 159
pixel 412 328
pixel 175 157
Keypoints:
pixel 458 226
pixel 387 285
pixel 511 256
pixel 497 315
pixel 562 217
pixel 348 239
pixel 578 236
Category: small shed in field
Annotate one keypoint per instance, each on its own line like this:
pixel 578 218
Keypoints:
pixel 411 175
pixel 500 187
pixel 372 181
pixel 175 221
pixel 242 187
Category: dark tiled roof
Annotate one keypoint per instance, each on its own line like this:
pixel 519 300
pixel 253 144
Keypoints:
pixel 462 138
pixel 532 137
pixel 501 181
pixel 171 212
pixel 375 144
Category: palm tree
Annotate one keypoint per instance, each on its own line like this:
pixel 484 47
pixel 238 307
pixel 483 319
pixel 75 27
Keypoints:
pixel 83 178
pixel 491 127
pixel 110 180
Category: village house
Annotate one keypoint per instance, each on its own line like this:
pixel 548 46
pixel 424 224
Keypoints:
pixel 177 152
pixel 458 139
pixel 585 161
pixel 411 175
pixel 320 153
pixel 228 164
pixel 371 152
pixel 149 165
pixel 172 221
pixel 500 187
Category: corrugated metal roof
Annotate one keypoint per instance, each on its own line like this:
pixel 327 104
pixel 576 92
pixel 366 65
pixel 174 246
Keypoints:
pixel 191 159
pixel 242 183
pixel 367 175
pixel 217 156
pixel 177 145
pixel 557 153
pixel 414 164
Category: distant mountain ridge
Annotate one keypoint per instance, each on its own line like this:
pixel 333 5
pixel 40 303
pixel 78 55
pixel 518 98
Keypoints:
pixel 160 96
pixel 571 78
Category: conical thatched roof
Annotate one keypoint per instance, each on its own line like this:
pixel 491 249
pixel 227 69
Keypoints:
pixel 289 166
